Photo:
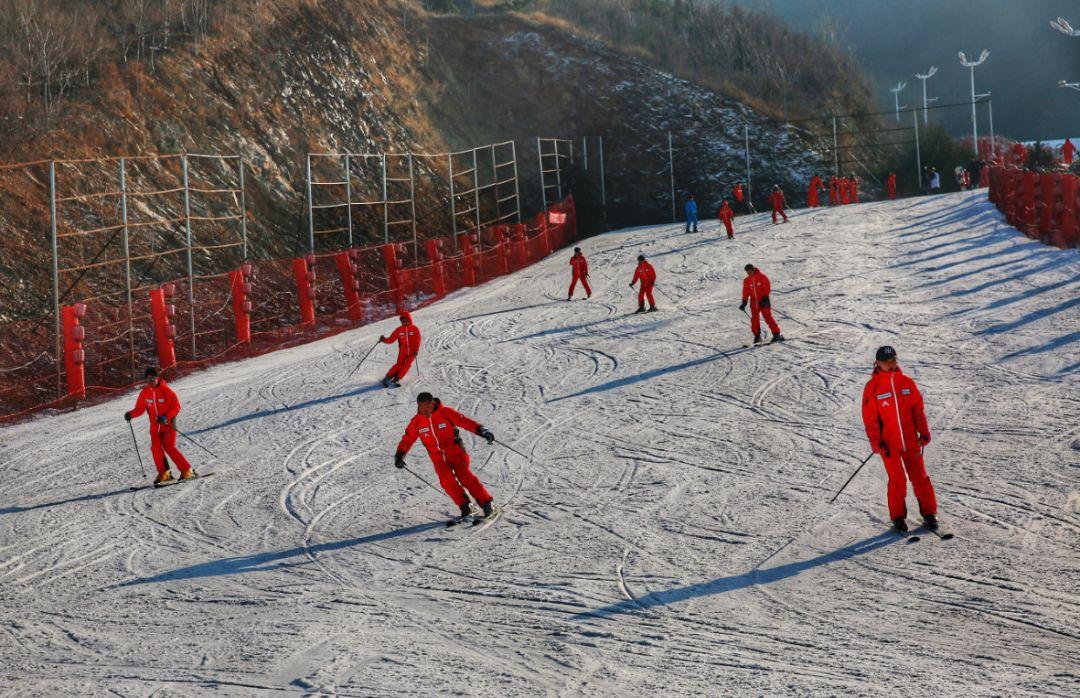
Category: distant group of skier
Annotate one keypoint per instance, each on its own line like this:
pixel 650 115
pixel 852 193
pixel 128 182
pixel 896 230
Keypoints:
pixel 892 407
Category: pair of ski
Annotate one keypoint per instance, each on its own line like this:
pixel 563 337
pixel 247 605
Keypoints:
pixel 914 537
pixel 475 519
pixel 765 344
pixel 170 483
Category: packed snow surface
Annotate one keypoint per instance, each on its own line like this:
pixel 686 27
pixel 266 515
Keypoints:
pixel 670 529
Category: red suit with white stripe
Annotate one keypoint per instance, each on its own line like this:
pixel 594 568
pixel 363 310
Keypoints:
pixel 727 216
pixel 756 289
pixel 812 194
pixel 579 266
pixel 892 412
pixel 777 200
pixel 156 401
pixel 407 336
pixel 647 276
pixel 438 433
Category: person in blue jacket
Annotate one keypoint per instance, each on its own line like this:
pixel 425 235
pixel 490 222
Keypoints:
pixel 691 213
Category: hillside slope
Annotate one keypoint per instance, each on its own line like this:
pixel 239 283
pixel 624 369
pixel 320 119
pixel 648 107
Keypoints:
pixel 669 528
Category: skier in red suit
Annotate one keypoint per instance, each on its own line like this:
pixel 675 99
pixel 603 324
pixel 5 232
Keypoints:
pixel 756 289
pixel 580 269
pixel 1067 151
pixel 436 426
pixel 727 216
pixel 812 194
pixel 854 189
pixel 890 183
pixel 161 405
pixel 845 191
pixel 834 191
pixel 892 412
pixel 407 336
pixel 776 198
pixel 738 194
pixel 647 276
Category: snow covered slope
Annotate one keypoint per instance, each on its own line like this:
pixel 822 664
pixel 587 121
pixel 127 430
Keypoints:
pixel 670 531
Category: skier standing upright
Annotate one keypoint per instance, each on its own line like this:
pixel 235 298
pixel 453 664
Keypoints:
pixel 647 276
pixel 776 198
pixel 895 422
pixel 726 216
pixel 812 193
pixel 579 267
pixel 691 213
pixel 161 406
pixel 756 289
pixel 407 336
pixel 437 427
pixel 890 184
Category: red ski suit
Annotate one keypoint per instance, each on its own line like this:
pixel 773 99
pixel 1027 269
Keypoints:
pixel 756 289
pixel 892 412
pixel 156 401
pixel 854 190
pixel 726 216
pixel 1067 151
pixel 777 200
pixel 438 433
pixel 738 193
pixel 812 195
pixel 408 339
pixel 890 183
pixel 647 276
pixel 580 269
pixel 834 191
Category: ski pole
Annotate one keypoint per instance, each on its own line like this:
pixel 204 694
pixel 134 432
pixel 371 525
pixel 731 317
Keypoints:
pixel 414 474
pixel 195 442
pixel 514 450
pixel 362 360
pixel 865 461
pixel 782 314
pixel 136 442
pixel 666 295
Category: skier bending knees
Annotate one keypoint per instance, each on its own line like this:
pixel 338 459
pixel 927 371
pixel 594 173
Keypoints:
pixel 436 426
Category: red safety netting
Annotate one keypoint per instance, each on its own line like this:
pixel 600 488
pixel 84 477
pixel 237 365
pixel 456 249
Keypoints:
pixel 1042 205
pixel 381 281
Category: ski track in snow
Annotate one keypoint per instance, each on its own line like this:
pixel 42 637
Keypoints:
pixel 670 529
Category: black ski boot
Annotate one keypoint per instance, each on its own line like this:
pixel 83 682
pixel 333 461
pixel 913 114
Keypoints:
pixel 930 522
pixel 778 337
pixel 900 524
pixel 652 309
pixel 466 510
pixel 758 339
pixel 641 309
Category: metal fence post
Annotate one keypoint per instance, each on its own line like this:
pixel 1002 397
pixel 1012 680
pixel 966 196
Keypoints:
pixel 835 150
pixel 310 210
pixel 495 181
pixel 517 190
pixel 243 209
pixel 190 264
pixel 585 152
pixel 348 196
pixel 558 170
pixel 603 189
pixel 543 184
pixel 412 207
pixel 127 264
pixel 476 196
pixel 453 197
pixel 749 186
pixel 671 171
pixel 385 206
pixel 55 281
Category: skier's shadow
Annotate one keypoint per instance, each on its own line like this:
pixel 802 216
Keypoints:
pixel 286 408
pixel 61 502
pixel 267 562
pixel 740 581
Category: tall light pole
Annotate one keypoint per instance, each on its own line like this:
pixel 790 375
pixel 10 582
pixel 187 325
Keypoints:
pixel 1073 85
pixel 974 119
pixel 896 97
pixel 926 101
pixel 1064 27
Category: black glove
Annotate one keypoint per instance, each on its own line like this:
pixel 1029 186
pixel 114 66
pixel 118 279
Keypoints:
pixel 884 449
pixel 631 285
pixel 127 416
pixel 765 302
pixel 162 419
pixel 743 306
pixel 382 338
pixel 486 435
pixel 399 460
